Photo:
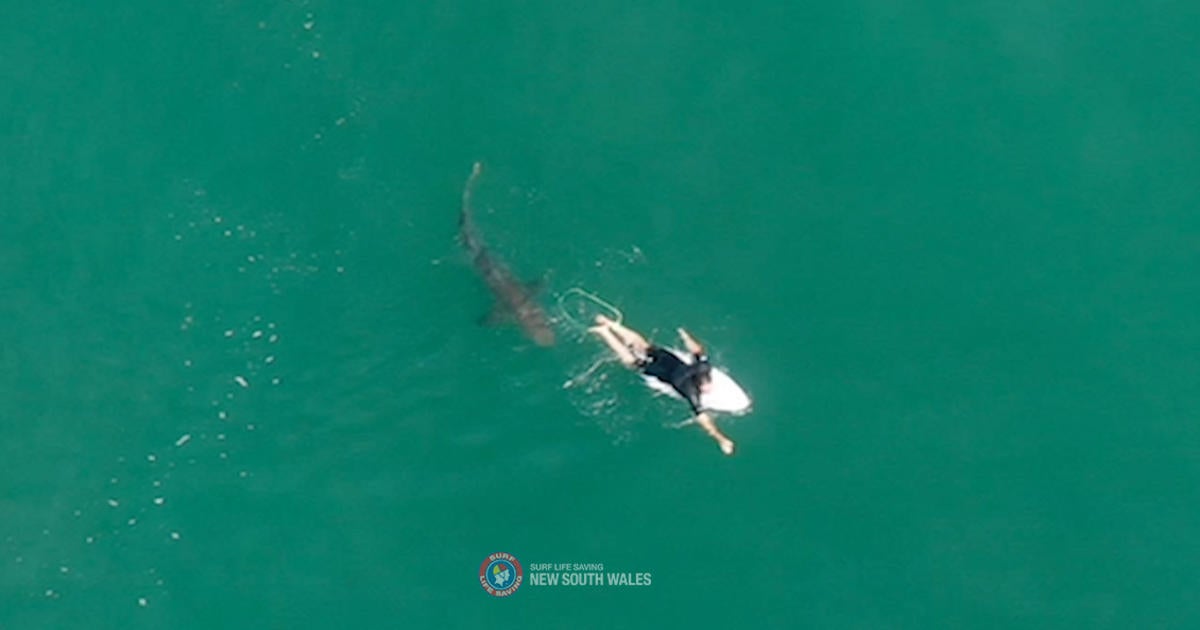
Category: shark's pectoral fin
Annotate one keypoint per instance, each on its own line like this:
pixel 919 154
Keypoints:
pixel 497 316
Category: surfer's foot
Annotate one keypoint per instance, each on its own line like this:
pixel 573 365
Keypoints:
pixel 602 323
pixel 606 328
pixel 726 447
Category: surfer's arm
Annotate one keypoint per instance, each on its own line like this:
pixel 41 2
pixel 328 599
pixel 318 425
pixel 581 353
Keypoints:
pixel 710 427
pixel 693 346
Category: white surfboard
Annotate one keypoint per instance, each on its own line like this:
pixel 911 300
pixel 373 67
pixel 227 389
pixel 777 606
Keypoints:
pixel 725 395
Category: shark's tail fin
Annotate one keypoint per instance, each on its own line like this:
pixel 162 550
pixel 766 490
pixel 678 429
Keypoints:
pixel 466 222
pixel 465 217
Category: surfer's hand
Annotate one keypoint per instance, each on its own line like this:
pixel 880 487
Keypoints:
pixel 692 345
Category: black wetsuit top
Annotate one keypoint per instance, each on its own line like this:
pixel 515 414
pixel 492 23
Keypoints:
pixel 684 378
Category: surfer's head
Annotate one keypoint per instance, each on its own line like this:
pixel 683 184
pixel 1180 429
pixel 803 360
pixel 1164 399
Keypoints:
pixel 704 375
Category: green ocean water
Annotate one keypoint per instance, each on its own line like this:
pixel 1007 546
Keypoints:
pixel 951 250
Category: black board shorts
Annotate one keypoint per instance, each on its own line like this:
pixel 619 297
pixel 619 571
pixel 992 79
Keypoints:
pixel 683 377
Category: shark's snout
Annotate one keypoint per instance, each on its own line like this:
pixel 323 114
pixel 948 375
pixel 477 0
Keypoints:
pixel 543 336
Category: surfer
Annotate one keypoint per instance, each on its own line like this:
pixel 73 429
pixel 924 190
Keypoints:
pixel 689 379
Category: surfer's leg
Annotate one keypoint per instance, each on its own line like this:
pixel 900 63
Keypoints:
pixel 623 352
pixel 706 422
pixel 632 339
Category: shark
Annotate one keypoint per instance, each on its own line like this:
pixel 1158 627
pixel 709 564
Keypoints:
pixel 515 300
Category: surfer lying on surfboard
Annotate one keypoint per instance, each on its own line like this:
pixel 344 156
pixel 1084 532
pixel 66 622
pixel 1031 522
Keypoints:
pixel 690 379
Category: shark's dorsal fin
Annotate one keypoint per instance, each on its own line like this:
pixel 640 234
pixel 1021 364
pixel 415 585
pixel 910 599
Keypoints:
pixel 499 315
pixel 535 287
pixel 538 285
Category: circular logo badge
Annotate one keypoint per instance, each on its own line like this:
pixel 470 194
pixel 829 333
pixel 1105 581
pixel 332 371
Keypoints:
pixel 500 574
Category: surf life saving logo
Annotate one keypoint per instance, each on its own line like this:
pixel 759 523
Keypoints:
pixel 500 574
